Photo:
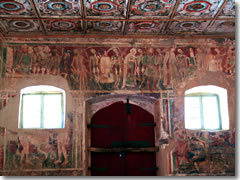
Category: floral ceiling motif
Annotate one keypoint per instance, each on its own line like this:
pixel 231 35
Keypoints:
pixel 161 17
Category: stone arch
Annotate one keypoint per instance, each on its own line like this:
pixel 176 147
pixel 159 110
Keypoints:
pixel 147 103
pixel 96 103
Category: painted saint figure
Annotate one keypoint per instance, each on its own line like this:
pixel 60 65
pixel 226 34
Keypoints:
pixel 129 58
pixel 105 64
pixel 78 67
pixel 181 63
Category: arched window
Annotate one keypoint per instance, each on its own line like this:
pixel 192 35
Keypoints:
pixel 42 107
pixel 206 108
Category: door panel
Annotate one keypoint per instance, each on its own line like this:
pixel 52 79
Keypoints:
pixel 113 127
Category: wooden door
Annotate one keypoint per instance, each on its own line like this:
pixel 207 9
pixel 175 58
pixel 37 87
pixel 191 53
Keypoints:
pixel 122 141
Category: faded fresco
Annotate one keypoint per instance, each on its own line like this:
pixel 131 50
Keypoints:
pixel 102 69
pixel 41 150
pixel 204 153
pixel 109 68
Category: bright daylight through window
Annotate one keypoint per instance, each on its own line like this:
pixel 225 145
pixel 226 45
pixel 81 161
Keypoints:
pixel 206 108
pixel 42 107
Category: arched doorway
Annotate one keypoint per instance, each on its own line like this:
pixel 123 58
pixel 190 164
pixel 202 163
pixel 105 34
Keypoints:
pixel 122 141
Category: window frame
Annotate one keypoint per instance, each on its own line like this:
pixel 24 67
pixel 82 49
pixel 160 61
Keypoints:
pixel 200 95
pixel 43 93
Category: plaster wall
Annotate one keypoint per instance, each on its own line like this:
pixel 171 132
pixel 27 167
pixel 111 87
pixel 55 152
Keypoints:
pixel 95 73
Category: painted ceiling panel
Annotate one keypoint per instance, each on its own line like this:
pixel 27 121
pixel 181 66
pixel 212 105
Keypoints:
pixel 222 26
pixel 16 25
pixel 198 9
pixel 146 26
pixel 63 26
pixel 104 26
pixel 106 8
pixel 59 7
pixel 16 8
pixel 121 17
pixel 187 26
pixel 146 8
pixel 229 9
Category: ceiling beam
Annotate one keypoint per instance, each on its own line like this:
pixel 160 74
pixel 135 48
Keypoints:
pixel 172 15
pixel 218 13
pixel 83 9
pixel 38 16
pixel 115 36
pixel 109 19
pixel 127 17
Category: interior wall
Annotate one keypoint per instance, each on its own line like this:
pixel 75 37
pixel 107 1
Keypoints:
pixel 93 69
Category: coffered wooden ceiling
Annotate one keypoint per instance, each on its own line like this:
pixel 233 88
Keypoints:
pixel 156 18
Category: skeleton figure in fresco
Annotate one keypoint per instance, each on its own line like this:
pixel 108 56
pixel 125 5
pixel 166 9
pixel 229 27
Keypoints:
pixel 46 62
pixel 174 74
pixel 181 63
pixel 130 58
pixel 56 59
pixel 165 69
pixel 151 71
pixel 63 140
pixel 40 56
pixel 158 68
pixel 94 65
pixel 200 58
pixel 32 54
pixel 78 67
pixel 230 62
pixel 116 59
pixel 139 59
pixel 105 65
pixel 65 64
pixel 214 63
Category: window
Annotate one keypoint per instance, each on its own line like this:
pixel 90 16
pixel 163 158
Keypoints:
pixel 42 107
pixel 205 107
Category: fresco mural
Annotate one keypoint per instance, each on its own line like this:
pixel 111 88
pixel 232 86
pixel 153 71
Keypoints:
pixel 192 8
pixel 16 7
pixel 204 153
pixel 2 147
pixel 152 8
pixel 109 68
pixel 115 8
pixel 59 8
pixel 102 69
pixel 41 150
